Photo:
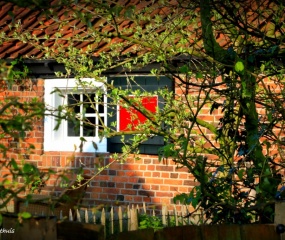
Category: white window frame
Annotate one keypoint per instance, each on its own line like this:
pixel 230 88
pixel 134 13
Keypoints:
pixel 58 140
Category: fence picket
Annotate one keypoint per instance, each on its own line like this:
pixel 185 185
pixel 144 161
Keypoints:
pixel 188 218
pixel 183 213
pixel 168 218
pixel 182 217
pixel 78 217
pixel 129 218
pixel 175 216
pixel 103 220
pixel 70 215
pixel 94 217
pixel 86 216
pixel 164 210
pixel 112 220
pixel 120 215
pixel 201 216
pixel 144 208
pixel 134 219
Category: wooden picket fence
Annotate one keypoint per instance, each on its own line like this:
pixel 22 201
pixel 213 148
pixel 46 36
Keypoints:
pixel 119 219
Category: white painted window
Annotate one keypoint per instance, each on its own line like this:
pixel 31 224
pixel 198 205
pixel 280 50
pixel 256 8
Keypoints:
pixel 67 92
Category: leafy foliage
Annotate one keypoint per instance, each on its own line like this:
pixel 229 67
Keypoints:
pixel 233 78
pixel 146 221
pixel 155 222
pixel 17 118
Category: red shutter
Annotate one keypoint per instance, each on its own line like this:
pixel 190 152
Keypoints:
pixel 130 118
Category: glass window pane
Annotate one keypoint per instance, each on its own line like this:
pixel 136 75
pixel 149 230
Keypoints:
pixel 89 129
pixel 73 101
pixel 101 103
pixel 89 103
pixel 73 125
pixel 73 128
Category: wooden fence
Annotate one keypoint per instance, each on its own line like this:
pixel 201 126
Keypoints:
pixel 122 223
pixel 121 219
pixel 205 232
pixel 181 229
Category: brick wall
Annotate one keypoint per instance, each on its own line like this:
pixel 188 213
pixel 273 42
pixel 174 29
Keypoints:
pixel 26 93
pixel 136 181
pixel 133 182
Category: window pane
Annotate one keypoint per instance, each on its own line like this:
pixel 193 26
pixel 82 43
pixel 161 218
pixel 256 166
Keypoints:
pixel 73 101
pixel 89 129
pixel 101 103
pixel 89 103
pixel 73 128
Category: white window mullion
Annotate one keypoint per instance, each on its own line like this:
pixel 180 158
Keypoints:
pixel 97 116
pixel 81 116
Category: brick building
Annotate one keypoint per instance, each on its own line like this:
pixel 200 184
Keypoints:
pixel 134 181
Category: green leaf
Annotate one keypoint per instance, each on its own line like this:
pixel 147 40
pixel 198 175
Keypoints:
pixel 166 151
pixel 269 116
pixel 14 164
pixel 115 91
pixel 199 75
pixel 25 215
pixel 180 197
pixel 240 173
pixel 214 106
pixel 1 219
pixel 239 67
pixel 245 92
pixel 64 179
pixel 194 202
pixel 266 184
pixel 257 189
pixel 129 11
pixel 184 69
pixel 95 145
pixel 116 10
pixel 27 168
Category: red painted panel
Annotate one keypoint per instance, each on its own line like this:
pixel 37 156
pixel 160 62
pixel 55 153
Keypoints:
pixel 130 118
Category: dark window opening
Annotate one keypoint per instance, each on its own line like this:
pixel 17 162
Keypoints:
pixel 87 110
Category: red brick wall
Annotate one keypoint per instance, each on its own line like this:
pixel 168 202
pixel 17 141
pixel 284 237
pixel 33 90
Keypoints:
pixel 26 93
pixel 136 181
pixel 133 182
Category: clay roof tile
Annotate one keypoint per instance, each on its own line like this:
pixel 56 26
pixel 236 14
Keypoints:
pixel 37 23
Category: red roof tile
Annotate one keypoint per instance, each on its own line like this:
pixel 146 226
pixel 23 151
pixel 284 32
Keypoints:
pixel 42 26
